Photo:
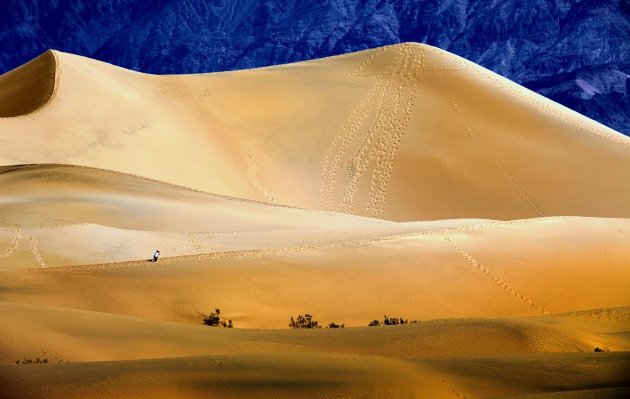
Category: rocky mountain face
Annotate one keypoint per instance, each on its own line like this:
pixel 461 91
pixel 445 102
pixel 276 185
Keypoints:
pixel 576 52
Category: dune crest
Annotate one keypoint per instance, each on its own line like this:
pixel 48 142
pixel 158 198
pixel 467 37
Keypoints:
pixel 29 88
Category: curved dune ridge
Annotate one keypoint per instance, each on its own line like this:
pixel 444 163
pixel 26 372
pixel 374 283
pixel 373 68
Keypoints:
pixel 30 87
pixel 400 181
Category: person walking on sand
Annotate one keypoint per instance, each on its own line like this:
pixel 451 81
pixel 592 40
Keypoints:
pixel 156 255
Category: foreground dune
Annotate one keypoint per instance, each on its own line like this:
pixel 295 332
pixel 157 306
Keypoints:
pixel 323 375
pixel 71 335
pixel 401 181
pixel 436 358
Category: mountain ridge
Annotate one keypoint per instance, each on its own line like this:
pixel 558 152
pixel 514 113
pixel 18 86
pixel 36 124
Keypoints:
pixel 556 44
pixel 488 223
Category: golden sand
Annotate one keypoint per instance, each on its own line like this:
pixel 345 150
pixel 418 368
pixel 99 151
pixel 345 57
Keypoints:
pixel 401 181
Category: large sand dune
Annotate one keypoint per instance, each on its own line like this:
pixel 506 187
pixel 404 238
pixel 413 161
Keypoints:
pixel 404 132
pixel 401 181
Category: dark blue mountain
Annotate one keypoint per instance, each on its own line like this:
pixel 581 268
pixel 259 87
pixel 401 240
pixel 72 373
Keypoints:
pixel 576 52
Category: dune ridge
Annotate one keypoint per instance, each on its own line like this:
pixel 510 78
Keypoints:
pixel 31 87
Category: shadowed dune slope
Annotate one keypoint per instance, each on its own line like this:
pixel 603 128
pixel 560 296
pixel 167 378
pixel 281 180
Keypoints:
pixel 441 359
pixel 324 375
pixel 84 336
pixel 28 88
pixel 474 144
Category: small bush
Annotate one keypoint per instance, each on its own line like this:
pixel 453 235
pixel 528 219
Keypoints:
pixel 334 325
pixel 214 320
pixel 305 321
pixel 374 323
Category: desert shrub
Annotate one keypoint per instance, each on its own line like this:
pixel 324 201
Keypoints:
pixel 604 349
pixel 305 321
pixel 214 320
pixel 335 325
pixel 392 321
pixel 374 323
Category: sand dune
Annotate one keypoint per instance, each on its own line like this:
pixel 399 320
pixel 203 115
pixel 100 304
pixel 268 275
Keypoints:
pixel 400 181
pixel 322 375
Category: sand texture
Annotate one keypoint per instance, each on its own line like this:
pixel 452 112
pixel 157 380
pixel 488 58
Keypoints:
pixel 400 181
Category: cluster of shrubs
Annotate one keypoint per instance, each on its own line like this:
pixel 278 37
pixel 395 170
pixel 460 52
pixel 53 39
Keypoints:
pixel 390 321
pixel 306 321
pixel 39 361
pixel 214 320
pixel 604 349
pixel 31 361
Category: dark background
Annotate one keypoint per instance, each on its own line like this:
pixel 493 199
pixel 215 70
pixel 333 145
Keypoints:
pixel 576 52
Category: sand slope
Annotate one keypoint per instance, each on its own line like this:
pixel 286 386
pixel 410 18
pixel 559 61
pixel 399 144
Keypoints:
pixel 430 275
pixel 400 181
pixel 323 376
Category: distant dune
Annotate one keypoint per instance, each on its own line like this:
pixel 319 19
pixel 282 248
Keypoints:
pixel 400 181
